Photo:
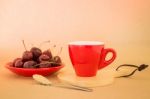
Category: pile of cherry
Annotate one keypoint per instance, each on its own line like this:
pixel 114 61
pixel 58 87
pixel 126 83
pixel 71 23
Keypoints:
pixel 35 58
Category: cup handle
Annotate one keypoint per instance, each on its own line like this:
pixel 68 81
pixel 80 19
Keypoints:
pixel 103 63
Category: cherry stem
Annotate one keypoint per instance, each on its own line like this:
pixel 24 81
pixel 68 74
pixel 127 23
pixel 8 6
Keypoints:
pixel 46 63
pixel 24 45
pixel 52 49
pixel 59 51
pixel 44 43
pixel 54 46
pixel 32 45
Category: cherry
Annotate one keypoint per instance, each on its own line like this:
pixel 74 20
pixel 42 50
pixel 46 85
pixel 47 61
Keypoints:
pixel 18 63
pixel 57 59
pixel 29 64
pixel 14 61
pixel 27 55
pixel 44 57
pixel 45 64
pixel 48 53
pixel 55 64
pixel 35 58
pixel 36 52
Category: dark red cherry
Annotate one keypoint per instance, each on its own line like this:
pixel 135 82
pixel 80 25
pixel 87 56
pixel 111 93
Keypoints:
pixel 44 57
pixel 27 55
pixel 36 52
pixel 14 61
pixel 29 64
pixel 18 63
pixel 57 59
pixel 55 64
pixel 48 53
pixel 45 64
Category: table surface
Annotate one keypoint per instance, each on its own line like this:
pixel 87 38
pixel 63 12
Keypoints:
pixel 13 86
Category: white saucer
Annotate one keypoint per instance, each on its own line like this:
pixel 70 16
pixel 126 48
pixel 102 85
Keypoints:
pixel 103 78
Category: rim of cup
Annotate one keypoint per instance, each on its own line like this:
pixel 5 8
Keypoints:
pixel 86 43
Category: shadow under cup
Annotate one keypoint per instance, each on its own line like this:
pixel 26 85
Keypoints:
pixel 88 57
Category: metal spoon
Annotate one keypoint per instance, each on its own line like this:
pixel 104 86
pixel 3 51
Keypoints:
pixel 44 81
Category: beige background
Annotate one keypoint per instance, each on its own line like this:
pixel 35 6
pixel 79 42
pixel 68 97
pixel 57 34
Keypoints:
pixel 122 24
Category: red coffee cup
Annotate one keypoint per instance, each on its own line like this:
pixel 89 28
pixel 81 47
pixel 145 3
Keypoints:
pixel 88 57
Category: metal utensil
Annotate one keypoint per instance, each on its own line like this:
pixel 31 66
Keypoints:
pixel 44 81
